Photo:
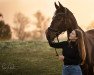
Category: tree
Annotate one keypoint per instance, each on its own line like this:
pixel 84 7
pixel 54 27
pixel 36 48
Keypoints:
pixel 21 22
pixel 91 26
pixel 5 31
pixel 42 23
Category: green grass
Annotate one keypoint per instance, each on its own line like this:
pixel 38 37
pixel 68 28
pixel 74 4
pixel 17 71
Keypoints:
pixel 28 58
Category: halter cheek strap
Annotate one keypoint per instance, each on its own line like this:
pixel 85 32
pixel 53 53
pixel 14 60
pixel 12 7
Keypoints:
pixel 56 31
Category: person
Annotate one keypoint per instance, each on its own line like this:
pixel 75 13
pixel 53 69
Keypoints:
pixel 73 53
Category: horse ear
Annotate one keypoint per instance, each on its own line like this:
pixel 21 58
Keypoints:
pixel 56 6
pixel 60 5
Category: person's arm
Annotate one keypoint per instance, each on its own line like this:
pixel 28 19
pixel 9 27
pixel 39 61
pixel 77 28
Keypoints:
pixel 57 45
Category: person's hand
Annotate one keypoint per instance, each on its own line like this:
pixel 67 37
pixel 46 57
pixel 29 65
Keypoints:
pixel 61 57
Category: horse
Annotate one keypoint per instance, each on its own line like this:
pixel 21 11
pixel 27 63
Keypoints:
pixel 64 20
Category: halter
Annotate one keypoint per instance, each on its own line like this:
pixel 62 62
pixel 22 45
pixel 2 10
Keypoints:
pixel 56 31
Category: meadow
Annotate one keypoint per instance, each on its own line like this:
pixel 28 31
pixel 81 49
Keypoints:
pixel 28 58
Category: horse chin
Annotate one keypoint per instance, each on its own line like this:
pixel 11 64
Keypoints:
pixel 52 39
pixel 55 36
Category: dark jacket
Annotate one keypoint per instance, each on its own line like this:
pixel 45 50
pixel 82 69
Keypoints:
pixel 70 52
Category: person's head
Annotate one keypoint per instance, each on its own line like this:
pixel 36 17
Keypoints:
pixel 77 35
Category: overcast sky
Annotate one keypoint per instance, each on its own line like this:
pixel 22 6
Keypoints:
pixel 82 9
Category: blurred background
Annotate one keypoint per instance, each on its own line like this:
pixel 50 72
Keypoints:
pixel 24 49
pixel 28 19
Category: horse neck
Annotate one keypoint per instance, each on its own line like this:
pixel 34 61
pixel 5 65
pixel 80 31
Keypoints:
pixel 81 30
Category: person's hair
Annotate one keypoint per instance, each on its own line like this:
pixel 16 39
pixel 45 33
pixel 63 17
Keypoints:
pixel 81 45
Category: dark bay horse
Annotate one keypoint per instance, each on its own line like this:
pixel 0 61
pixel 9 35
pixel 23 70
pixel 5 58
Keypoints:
pixel 64 20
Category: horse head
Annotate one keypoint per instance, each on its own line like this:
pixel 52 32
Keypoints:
pixel 63 20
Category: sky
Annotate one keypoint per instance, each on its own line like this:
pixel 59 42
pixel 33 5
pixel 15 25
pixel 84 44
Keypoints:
pixel 82 9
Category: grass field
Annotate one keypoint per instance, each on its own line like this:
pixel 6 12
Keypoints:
pixel 28 58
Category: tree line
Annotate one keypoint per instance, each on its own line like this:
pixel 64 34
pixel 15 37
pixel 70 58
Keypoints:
pixel 21 23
